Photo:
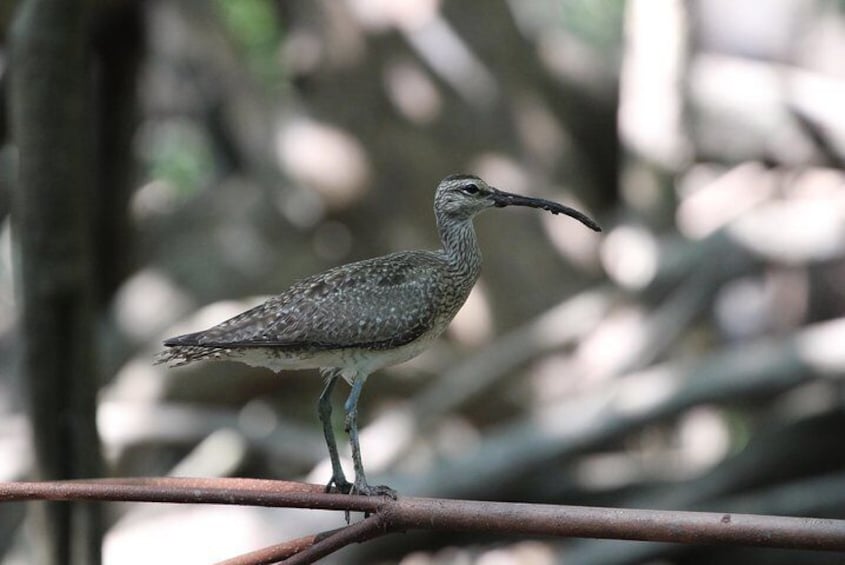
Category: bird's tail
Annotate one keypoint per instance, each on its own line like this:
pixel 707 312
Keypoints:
pixel 178 355
pixel 172 357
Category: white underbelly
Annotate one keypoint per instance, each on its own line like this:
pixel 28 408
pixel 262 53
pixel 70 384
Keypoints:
pixel 350 361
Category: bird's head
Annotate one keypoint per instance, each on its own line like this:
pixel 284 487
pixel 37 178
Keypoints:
pixel 460 197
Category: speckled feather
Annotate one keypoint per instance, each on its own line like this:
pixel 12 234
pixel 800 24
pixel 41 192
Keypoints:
pixel 377 303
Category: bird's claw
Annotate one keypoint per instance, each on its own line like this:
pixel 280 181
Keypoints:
pixel 360 487
pixel 339 484
pixel 364 489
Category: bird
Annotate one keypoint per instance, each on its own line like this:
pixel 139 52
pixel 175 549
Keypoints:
pixel 355 319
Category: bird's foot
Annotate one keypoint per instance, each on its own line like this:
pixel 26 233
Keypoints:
pixel 362 488
pixel 339 484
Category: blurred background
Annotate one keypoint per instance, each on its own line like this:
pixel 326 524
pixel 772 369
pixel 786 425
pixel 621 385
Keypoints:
pixel 689 357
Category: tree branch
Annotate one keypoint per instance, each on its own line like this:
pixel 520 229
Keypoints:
pixel 368 528
pixel 407 513
pixel 274 553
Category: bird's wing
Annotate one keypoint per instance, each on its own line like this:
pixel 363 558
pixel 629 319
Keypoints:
pixel 376 303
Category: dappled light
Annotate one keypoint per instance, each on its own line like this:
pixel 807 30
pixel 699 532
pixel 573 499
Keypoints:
pixel 688 356
pixel 15 439
pixel 187 531
pixel 257 419
pixel 630 256
pixel 503 171
pixel 641 393
pixel 386 438
pixel 797 229
pixel 651 113
pixel 445 52
pixel 614 345
pixel 380 15
pixel 138 381
pixel 7 299
pixel 145 303
pixel 821 348
pixel 412 92
pixel 711 199
pixel 325 158
pixel 473 326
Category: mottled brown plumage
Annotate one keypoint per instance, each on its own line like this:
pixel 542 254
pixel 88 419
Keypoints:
pixel 379 303
pixel 357 318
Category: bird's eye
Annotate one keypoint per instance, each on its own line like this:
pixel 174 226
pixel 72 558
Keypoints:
pixel 470 188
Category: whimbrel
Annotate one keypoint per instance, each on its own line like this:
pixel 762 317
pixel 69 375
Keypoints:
pixel 355 319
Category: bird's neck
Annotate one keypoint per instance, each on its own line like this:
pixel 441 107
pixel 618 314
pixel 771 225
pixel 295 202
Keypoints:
pixel 460 247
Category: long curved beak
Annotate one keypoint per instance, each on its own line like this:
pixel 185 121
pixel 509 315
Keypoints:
pixel 501 199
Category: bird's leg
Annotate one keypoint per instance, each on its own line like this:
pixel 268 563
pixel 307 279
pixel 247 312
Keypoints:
pixel 351 406
pixel 324 409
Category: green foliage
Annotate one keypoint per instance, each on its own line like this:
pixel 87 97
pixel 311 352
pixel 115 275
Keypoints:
pixel 254 26
pixel 597 23
pixel 180 156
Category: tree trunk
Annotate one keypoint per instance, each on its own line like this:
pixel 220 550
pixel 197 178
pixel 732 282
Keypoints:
pixel 52 127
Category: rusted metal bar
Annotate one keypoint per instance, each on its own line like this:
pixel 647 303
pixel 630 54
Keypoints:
pixel 368 528
pixel 617 523
pixel 247 492
pixel 457 515
pixel 273 553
